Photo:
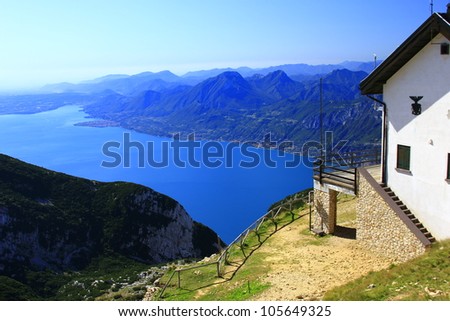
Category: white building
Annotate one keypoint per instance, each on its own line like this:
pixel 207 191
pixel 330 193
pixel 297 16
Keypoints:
pixel 417 143
pixel 401 212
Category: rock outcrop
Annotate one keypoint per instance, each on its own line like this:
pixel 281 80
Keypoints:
pixel 50 220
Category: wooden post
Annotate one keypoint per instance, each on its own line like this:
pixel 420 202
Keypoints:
pixel 226 257
pixel 179 279
pixel 242 249
pixel 332 211
pixel 275 223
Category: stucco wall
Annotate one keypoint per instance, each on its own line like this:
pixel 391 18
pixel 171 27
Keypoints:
pixel 424 190
pixel 380 230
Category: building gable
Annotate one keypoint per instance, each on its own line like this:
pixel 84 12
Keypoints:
pixel 438 23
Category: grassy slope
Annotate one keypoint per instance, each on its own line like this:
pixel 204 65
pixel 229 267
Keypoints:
pixel 424 278
pixel 242 278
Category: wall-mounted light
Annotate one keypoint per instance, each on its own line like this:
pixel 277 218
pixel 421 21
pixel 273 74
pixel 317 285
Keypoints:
pixel 416 108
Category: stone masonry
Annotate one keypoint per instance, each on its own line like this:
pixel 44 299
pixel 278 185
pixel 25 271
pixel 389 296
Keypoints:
pixel 325 206
pixel 379 229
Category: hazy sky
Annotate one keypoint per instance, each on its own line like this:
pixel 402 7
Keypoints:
pixel 49 41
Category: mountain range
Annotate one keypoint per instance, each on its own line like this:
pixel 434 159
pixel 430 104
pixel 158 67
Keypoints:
pixel 231 107
pixel 158 81
pixel 241 104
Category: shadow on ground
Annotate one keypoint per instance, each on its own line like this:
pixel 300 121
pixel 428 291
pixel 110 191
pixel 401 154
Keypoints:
pixel 345 232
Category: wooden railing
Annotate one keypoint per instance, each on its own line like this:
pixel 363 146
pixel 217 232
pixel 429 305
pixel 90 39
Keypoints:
pixel 340 169
pixel 240 240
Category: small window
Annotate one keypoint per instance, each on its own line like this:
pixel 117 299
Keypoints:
pixel 445 49
pixel 448 166
pixel 403 157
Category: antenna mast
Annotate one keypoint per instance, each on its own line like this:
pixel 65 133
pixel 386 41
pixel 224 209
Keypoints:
pixel 431 7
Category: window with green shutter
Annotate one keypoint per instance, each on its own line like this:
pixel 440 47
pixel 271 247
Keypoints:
pixel 403 157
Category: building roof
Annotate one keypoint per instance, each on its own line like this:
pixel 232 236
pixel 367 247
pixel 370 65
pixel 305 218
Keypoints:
pixel 435 24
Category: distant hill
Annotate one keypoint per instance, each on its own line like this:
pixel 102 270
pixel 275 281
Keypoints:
pixel 122 84
pixel 52 221
pixel 36 103
pixel 126 84
pixel 227 91
pixel 291 70
pixel 205 74
pixel 276 84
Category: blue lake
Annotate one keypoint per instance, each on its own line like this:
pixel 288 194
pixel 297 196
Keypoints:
pixel 226 198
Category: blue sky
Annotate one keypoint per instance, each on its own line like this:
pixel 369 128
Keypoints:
pixel 51 41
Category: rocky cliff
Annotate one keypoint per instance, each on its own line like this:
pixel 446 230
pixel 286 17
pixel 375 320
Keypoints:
pixel 57 222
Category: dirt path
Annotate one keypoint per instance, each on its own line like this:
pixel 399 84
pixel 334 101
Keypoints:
pixel 304 268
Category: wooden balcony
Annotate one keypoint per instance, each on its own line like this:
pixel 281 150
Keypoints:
pixel 339 172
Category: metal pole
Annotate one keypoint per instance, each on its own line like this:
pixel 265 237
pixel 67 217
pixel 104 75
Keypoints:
pixel 310 201
pixel 321 118
pixel 310 217
pixel 321 169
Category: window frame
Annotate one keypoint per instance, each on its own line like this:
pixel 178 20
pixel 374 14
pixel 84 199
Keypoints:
pixel 448 167
pixel 403 163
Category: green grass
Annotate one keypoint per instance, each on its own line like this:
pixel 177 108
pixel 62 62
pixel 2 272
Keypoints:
pixel 424 278
pixel 241 291
pixel 203 284
pixel 191 282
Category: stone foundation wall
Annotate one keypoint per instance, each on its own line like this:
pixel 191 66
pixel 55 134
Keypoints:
pixel 380 230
